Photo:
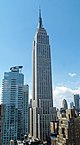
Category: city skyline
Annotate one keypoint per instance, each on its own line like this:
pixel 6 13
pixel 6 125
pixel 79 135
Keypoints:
pixel 18 26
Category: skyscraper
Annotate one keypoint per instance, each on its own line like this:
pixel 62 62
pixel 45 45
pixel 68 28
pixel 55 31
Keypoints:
pixel 71 105
pixel 64 104
pixel 13 96
pixel 42 111
pixel 76 101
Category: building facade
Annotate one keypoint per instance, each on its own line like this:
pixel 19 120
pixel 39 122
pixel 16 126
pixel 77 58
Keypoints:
pixel 25 108
pixel 54 127
pixel 1 122
pixel 64 104
pixel 71 105
pixel 69 131
pixel 77 102
pixel 42 111
pixel 12 100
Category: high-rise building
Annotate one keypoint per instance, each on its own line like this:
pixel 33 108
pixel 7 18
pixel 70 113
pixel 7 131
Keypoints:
pixel 1 122
pixel 64 104
pixel 42 111
pixel 13 95
pixel 71 105
pixel 76 102
pixel 25 108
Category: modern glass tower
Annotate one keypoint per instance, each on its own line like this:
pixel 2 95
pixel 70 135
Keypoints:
pixel 14 108
pixel 42 111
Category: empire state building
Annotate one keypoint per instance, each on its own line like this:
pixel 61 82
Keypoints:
pixel 42 111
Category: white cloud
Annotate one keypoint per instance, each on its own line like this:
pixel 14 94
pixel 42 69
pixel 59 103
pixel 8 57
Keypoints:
pixel 77 91
pixel 62 92
pixel 72 74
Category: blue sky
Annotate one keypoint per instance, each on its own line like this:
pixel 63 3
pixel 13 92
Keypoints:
pixel 18 24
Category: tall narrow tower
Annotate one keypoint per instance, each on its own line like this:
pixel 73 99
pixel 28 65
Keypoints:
pixel 42 111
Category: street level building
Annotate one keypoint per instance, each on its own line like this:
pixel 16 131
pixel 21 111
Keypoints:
pixel 42 111
pixel 69 131
pixel 54 126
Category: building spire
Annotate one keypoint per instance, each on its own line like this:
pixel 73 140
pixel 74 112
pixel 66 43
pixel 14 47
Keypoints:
pixel 40 19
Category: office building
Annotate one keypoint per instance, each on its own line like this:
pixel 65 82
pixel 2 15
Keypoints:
pixel 54 127
pixel 1 122
pixel 71 105
pixel 64 104
pixel 25 108
pixel 69 131
pixel 13 95
pixel 77 102
pixel 42 111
